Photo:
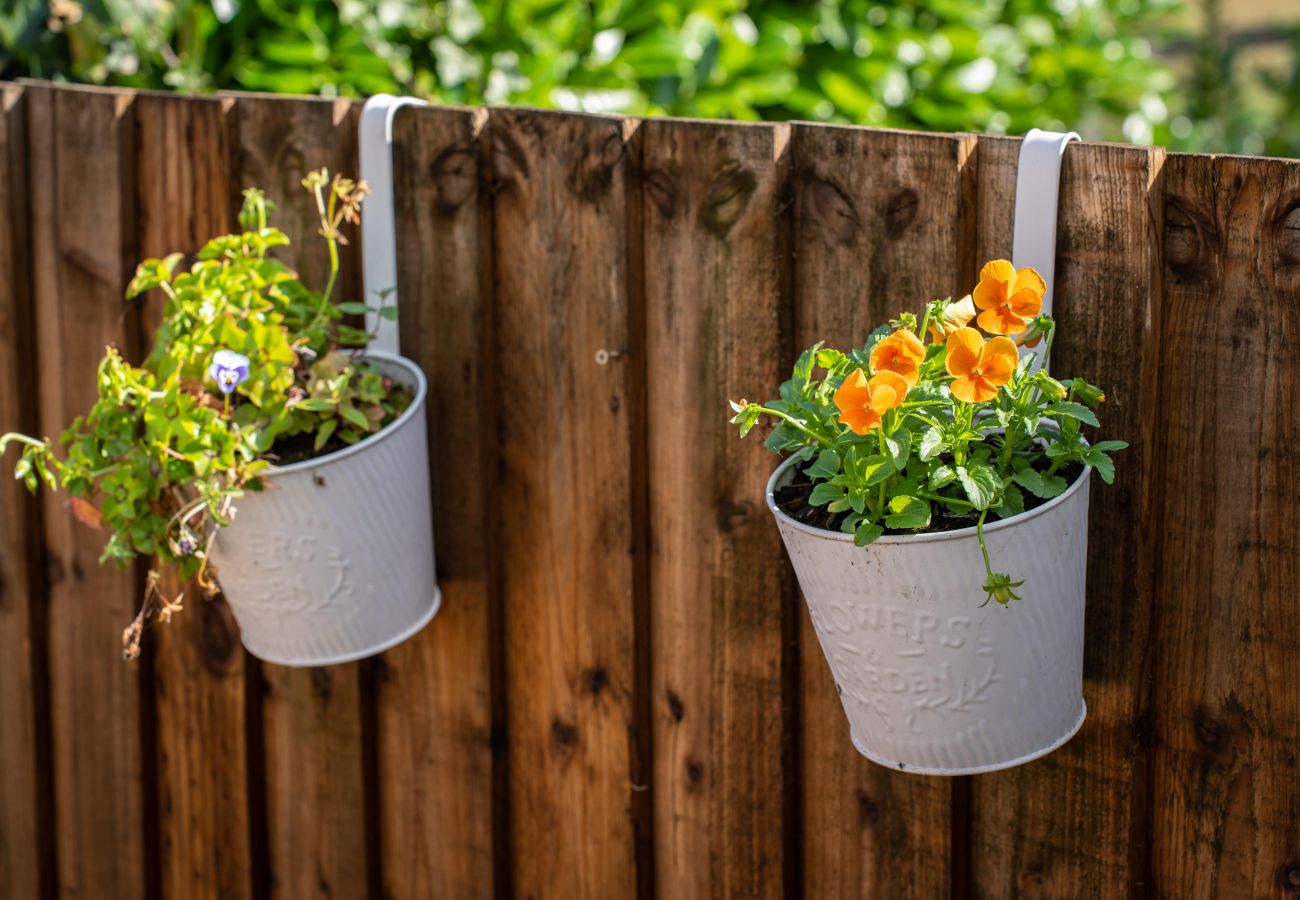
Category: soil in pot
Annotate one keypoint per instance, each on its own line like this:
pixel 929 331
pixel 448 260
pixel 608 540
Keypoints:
pixel 792 499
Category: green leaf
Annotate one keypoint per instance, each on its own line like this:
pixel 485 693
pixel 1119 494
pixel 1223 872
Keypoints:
pixel 1038 484
pixel 315 404
pixel 980 483
pixel 908 513
pixel 931 444
pixel 1013 503
pixel 1074 411
pixel 355 417
pixel 326 429
pixel 944 475
pixel 1109 446
pixel 353 309
pixel 825 493
pixel 866 533
pixel 899 446
pixel 389 313
pixel 826 466
pixel 1102 463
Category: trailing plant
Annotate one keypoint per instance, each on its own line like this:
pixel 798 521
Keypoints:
pixel 932 426
pixel 249 367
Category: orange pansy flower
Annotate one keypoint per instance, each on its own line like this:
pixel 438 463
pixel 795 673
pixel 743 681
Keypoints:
pixel 901 353
pixel 1009 298
pixel 955 315
pixel 862 402
pixel 979 369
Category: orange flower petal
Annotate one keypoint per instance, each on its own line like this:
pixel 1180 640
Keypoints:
pixel 893 382
pixel 1026 303
pixel 1002 347
pixel 853 393
pixel 860 421
pixel 967 339
pixel 909 345
pixel 883 397
pixel 972 389
pixel 997 370
pixel 1001 321
pixel 1029 279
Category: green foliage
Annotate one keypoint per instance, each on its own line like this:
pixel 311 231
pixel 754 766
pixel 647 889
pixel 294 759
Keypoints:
pixel 929 453
pixel 1002 66
pixel 166 450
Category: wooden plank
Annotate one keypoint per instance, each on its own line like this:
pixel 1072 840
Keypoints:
pixel 434 694
pixel 22 693
pixel 315 783
pixel 879 230
pixel 1226 811
pixel 81 240
pixel 1073 823
pixel 561 526
pixel 199 665
pixel 714 274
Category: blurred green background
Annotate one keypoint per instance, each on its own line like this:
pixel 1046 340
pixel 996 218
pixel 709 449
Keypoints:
pixel 1199 75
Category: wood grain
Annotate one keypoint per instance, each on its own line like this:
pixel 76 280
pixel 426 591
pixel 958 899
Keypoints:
pixel 435 707
pixel 1073 822
pixel 82 234
pixel 879 230
pixel 720 604
pixel 315 784
pixel 561 526
pixel 183 191
pixel 23 839
pixel 1226 799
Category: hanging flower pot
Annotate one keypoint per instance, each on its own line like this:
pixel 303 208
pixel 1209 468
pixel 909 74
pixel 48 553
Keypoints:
pixel 261 449
pixel 933 679
pixel 934 506
pixel 332 561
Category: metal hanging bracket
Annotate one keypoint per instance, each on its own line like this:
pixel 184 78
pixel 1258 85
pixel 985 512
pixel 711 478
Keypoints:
pixel 378 225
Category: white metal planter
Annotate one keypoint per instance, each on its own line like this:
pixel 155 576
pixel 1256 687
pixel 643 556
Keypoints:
pixel 931 682
pixel 334 561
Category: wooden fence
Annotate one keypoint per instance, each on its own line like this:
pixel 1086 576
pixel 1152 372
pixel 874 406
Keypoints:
pixel 622 695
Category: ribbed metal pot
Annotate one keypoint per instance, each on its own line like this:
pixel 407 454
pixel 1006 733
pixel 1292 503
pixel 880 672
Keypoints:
pixel 931 682
pixel 334 561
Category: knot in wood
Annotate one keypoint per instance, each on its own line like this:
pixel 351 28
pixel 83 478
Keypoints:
pixel 726 199
pixel 453 173
pixel 829 205
pixel 662 189
pixel 900 212
pixel 1288 237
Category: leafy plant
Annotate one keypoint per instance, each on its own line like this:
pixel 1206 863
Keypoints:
pixel 939 434
pixel 949 65
pixel 249 367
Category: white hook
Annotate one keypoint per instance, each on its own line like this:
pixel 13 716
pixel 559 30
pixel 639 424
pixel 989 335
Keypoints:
pixel 1038 187
pixel 378 225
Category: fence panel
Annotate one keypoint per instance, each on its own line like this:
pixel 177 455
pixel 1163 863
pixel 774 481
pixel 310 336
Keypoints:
pixel 436 708
pixel 879 231
pixel 82 239
pixel 1226 800
pixel 200 688
pixel 316 808
pixel 1077 816
pixel 562 532
pixel 24 857
pixel 716 272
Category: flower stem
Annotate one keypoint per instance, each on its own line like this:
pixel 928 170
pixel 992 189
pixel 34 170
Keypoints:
pixel 776 413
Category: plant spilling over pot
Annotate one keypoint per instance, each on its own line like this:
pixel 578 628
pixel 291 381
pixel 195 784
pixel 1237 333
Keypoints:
pixel 935 426
pixel 249 368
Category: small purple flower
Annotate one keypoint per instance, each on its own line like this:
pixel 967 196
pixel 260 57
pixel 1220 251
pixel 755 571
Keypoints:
pixel 187 544
pixel 229 369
